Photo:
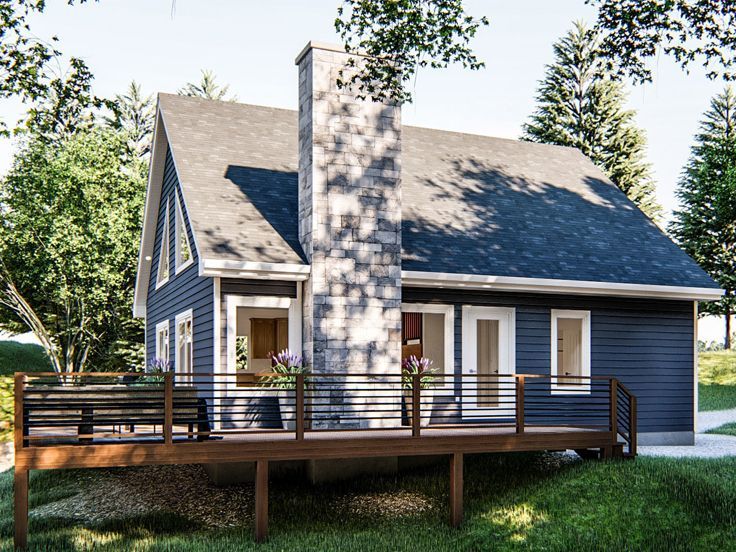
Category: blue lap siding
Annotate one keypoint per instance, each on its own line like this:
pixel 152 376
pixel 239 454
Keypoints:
pixel 646 344
pixel 183 291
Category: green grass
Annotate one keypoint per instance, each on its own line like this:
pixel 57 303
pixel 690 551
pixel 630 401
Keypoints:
pixel 16 357
pixel 717 374
pixel 725 429
pixel 512 502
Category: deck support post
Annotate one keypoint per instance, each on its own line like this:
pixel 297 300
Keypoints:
pixel 456 489
pixel 20 495
pixel 261 529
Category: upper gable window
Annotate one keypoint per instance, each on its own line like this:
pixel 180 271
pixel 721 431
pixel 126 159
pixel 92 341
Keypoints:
pixel 163 253
pixel 183 249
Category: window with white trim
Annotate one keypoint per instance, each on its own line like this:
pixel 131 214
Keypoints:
pixel 429 330
pixel 183 249
pixel 570 351
pixel 184 361
pixel 163 252
pixel 162 340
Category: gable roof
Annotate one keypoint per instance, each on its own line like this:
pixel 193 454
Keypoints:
pixel 472 205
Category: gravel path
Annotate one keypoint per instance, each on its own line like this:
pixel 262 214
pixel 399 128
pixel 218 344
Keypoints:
pixel 706 445
pixel 712 420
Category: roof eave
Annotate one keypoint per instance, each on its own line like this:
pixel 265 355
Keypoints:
pixel 564 287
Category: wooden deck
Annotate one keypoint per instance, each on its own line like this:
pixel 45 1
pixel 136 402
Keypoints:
pixel 74 438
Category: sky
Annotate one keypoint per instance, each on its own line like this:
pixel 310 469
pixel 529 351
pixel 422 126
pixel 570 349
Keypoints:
pixel 251 45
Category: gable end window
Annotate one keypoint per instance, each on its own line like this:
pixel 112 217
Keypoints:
pixel 163 252
pixel 570 351
pixel 183 249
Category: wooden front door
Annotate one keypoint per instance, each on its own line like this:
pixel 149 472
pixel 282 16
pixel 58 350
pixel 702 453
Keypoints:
pixel 269 336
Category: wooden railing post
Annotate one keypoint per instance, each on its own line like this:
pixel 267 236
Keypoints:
pixel 632 425
pixel 299 407
pixel 519 404
pixel 19 430
pixel 416 384
pixel 613 415
pixel 168 408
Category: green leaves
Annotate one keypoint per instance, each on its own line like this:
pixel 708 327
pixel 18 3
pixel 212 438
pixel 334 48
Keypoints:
pixel 69 239
pixel 400 37
pixel 691 31
pixel 582 106
pixel 705 223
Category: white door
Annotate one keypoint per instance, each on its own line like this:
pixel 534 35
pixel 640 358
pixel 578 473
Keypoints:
pixel 489 354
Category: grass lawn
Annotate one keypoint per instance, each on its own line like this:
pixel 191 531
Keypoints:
pixel 725 429
pixel 16 357
pixel 717 389
pixel 512 502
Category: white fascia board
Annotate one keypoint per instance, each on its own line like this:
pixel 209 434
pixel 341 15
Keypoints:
pixel 249 269
pixel 545 285
pixel 150 215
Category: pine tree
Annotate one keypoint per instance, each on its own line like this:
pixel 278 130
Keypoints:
pixel 705 223
pixel 207 88
pixel 582 106
pixel 133 114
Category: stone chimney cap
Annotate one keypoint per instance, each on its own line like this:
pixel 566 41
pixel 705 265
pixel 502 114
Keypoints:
pixel 315 45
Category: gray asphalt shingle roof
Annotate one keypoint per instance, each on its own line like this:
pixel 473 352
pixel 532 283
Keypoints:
pixel 470 204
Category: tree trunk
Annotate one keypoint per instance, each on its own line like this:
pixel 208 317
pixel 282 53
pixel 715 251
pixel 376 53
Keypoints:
pixel 727 341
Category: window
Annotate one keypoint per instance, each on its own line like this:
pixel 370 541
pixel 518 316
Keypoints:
pixel 163 252
pixel 570 351
pixel 184 346
pixel 183 250
pixel 428 330
pixel 162 340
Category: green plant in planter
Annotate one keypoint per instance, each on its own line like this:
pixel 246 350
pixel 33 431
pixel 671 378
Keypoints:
pixel 422 366
pixel 286 366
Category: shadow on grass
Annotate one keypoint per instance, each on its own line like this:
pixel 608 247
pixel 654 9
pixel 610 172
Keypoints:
pixel 512 502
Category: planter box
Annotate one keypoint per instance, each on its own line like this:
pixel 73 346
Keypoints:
pixel 426 404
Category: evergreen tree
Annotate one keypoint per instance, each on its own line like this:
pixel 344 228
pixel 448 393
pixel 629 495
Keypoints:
pixel 207 88
pixel 705 224
pixel 133 114
pixel 581 105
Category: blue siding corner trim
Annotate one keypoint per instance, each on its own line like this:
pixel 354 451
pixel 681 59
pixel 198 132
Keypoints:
pixel 183 291
pixel 646 344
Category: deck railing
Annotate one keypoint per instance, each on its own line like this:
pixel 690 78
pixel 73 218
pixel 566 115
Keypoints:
pixel 178 408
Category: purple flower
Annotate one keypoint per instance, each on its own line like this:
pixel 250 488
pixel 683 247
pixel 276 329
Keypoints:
pixel 287 359
pixel 156 365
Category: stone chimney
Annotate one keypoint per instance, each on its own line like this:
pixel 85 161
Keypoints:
pixel 349 220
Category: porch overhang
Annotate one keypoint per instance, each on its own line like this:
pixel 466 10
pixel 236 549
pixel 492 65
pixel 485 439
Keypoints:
pixel 565 287
pixel 289 272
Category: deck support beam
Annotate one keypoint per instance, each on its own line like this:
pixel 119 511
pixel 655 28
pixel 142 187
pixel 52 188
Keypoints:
pixel 20 494
pixel 261 529
pixel 456 489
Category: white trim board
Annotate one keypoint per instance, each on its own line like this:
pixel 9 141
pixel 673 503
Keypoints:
pixel 506 317
pixel 248 269
pixel 545 285
pixel 293 306
pixel 566 389
pixel 449 312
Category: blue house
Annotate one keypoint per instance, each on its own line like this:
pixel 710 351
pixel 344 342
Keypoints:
pixel 341 234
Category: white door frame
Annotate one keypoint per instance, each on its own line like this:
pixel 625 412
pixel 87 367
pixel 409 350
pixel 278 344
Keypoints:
pixel 293 305
pixel 506 317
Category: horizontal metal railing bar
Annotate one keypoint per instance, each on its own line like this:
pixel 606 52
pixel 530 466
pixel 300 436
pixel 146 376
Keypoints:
pixel 308 375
